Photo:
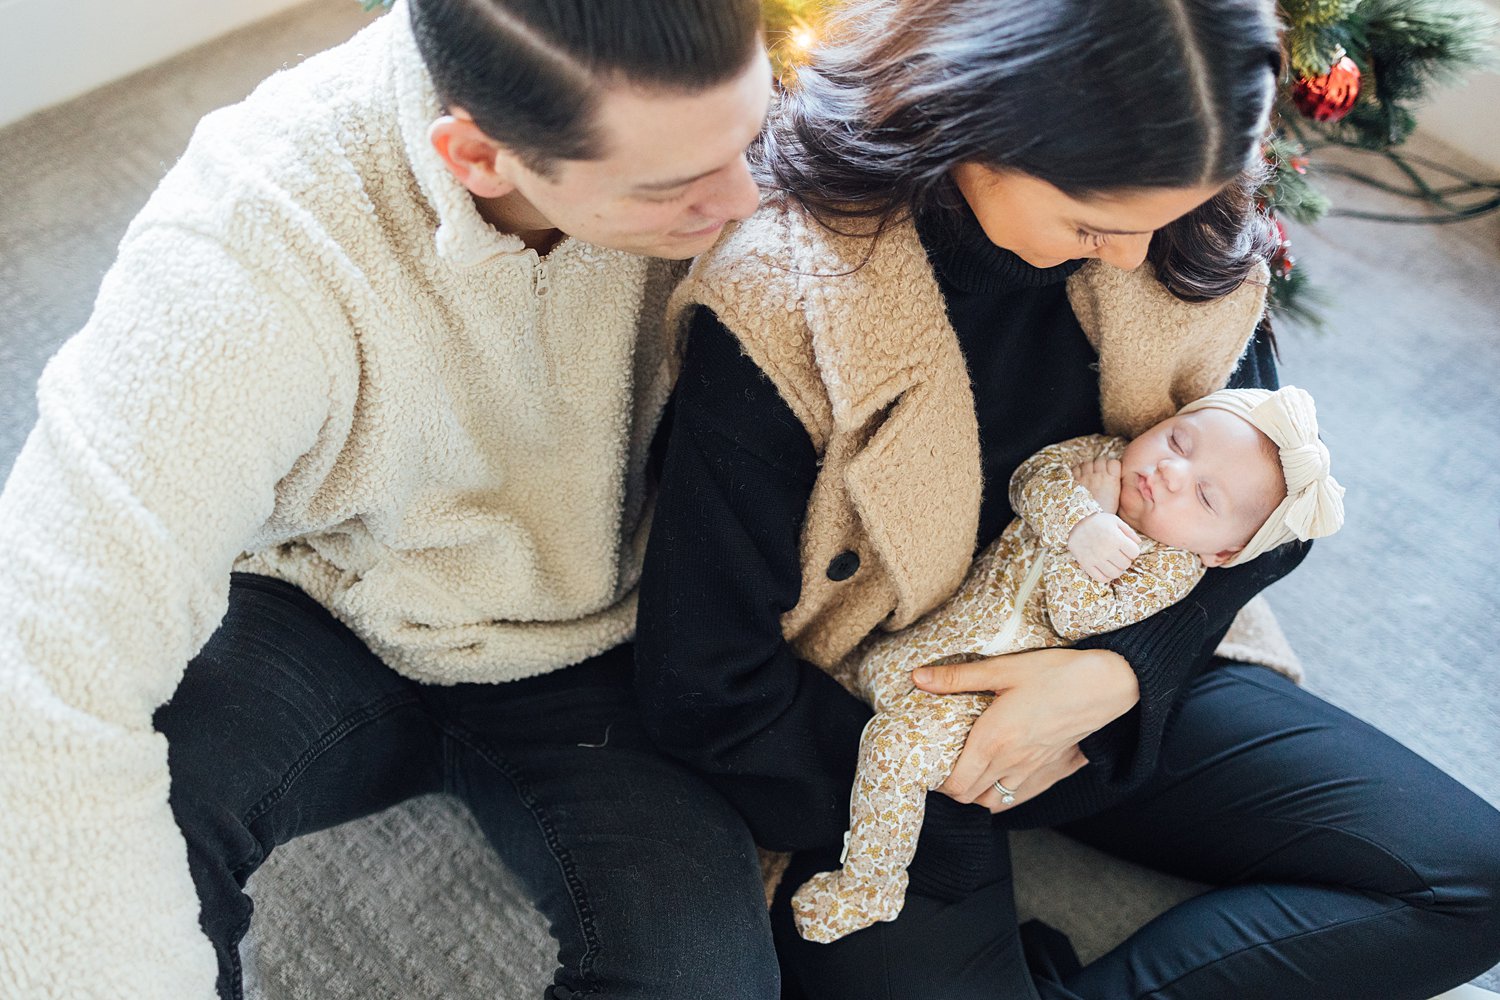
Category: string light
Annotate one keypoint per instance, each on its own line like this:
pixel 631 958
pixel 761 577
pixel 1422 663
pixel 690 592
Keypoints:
pixel 802 38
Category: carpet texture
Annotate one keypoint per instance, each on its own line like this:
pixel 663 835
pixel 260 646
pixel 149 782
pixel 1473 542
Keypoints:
pixel 1396 618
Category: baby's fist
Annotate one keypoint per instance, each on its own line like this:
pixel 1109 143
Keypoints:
pixel 1101 477
pixel 1104 546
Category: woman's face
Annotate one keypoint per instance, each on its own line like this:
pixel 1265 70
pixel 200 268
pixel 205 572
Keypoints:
pixel 1044 227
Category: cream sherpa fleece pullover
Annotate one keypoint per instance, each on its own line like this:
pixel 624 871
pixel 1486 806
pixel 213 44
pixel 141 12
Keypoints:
pixel 313 359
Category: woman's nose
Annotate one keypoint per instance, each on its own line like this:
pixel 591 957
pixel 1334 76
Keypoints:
pixel 1126 252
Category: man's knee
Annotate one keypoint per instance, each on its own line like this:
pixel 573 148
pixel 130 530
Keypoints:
pixel 683 921
pixel 692 955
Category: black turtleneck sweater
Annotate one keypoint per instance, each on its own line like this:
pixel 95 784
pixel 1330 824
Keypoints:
pixel 723 691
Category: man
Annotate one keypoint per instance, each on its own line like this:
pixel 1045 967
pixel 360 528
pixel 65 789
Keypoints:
pixel 386 345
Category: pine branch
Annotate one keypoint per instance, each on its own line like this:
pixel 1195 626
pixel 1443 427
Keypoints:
pixel 1292 297
pixel 1403 48
pixel 1290 191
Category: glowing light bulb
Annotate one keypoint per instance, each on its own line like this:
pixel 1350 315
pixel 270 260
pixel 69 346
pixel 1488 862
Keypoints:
pixel 803 38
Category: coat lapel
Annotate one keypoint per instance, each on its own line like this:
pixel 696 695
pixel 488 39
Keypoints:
pixel 899 387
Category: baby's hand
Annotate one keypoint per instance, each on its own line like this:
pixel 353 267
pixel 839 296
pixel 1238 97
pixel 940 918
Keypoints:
pixel 1104 546
pixel 1101 477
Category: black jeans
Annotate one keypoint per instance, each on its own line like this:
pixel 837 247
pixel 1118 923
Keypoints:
pixel 285 724
pixel 1346 867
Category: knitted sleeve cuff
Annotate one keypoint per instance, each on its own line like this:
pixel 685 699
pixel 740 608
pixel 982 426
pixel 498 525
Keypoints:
pixel 956 852
pixel 1162 651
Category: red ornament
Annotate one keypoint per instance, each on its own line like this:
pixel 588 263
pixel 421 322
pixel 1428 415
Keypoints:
pixel 1281 257
pixel 1329 97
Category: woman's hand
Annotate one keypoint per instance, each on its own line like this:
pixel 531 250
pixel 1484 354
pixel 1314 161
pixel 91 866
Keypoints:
pixel 1046 701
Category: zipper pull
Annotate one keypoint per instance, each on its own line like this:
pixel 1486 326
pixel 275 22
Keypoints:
pixel 844 855
pixel 542 279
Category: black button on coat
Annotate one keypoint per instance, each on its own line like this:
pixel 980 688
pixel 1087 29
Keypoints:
pixel 843 566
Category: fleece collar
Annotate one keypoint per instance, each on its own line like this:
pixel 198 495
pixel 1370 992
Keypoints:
pixel 463 237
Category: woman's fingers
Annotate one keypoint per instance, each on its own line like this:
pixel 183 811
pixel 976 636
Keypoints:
pixel 1037 782
pixel 1046 701
pixel 982 753
pixel 994 749
pixel 988 675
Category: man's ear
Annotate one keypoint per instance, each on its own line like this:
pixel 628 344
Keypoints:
pixel 480 163
pixel 1219 558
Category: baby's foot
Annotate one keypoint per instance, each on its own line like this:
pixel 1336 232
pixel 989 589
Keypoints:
pixel 833 904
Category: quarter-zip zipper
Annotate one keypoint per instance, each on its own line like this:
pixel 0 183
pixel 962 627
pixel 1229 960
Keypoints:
pixel 541 278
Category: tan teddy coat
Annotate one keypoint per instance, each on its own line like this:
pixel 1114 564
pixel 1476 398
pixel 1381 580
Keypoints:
pixel 1025 591
pixel 855 336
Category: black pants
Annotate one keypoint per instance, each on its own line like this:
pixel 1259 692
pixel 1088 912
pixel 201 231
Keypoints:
pixel 1346 867
pixel 286 724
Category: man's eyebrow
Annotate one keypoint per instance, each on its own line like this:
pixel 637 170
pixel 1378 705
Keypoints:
pixel 668 185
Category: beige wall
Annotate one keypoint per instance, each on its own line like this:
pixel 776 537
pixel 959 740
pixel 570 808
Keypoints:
pixel 54 50
pixel 1467 117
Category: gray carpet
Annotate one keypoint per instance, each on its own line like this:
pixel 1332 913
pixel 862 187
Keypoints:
pixel 1397 618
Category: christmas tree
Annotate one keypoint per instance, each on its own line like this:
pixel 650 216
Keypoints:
pixel 1353 72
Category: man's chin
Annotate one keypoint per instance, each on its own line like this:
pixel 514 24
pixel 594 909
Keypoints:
pixel 684 247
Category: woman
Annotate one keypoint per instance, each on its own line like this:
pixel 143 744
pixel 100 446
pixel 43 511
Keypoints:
pixel 947 277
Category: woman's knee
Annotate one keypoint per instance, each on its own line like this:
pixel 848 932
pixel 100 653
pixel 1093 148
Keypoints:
pixel 1467 882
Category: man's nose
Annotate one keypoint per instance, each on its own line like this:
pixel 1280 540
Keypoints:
pixel 735 196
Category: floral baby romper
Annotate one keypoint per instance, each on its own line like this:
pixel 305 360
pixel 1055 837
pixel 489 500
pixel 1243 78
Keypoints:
pixel 1024 592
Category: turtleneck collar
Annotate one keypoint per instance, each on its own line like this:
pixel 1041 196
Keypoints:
pixel 965 258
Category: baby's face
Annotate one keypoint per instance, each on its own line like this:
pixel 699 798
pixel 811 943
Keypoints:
pixel 1204 481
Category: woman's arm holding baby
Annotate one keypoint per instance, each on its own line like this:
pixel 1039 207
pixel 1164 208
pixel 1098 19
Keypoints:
pixel 1118 688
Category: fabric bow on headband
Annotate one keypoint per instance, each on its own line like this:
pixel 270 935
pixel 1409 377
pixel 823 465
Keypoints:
pixel 1314 504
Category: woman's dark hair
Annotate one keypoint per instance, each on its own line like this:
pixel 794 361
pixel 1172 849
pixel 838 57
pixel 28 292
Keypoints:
pixel 1091 96
pixel 531 72
pixel 1208 252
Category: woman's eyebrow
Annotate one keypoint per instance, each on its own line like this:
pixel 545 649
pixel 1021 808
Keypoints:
pixel 1112 232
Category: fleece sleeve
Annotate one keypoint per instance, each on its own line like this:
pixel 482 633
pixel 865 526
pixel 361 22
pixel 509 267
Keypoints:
pixel 163 428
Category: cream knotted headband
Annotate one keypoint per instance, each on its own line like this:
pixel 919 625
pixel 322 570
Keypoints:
pixel 1314 504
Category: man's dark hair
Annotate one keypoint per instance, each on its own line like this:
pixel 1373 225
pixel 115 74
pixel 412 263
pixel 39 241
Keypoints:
pixel 531 72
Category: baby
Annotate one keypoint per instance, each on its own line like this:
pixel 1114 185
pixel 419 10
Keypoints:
pixel 1108 533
